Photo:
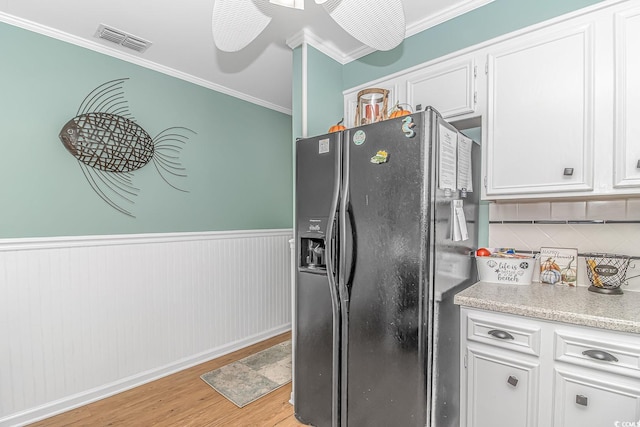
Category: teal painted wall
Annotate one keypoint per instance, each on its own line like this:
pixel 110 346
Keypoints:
pixel 479 25
pixel 239 164
pixel 325 95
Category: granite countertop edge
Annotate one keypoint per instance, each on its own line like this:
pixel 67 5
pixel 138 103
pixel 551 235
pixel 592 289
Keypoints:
pixel 523 301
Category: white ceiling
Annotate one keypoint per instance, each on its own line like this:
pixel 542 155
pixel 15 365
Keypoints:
pixel 182 41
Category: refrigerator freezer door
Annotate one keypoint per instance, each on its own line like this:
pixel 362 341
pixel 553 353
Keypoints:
pixel 317 185
pixel 386 274
pixel 313 362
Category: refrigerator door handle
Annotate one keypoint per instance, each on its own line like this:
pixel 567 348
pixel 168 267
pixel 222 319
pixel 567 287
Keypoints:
pixel 333 287
pixel 331 248
pixel 344 276
pixel 344 284
pixel 348 246
pixel 350 258
pixel 344 217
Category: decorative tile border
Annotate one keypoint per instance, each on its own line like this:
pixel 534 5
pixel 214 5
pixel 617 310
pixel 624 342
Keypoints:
pixel 612 209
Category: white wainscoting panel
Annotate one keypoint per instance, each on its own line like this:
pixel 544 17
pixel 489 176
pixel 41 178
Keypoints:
pixel 84 318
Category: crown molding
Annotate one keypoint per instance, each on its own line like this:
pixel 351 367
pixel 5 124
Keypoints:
pixel 445 15
pixel 308 37
pixel 115 53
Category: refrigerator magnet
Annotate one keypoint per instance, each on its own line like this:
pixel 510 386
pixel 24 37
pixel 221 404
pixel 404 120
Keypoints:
pixel 323 146
pixel 359 137
pixel 381 157
pixel 407 127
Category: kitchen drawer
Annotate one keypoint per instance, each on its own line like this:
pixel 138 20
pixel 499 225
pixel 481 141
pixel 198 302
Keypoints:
pixel 611 352
pixel 504 332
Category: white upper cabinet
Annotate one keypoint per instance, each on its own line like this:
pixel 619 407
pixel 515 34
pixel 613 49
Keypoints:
pixel 559 103
pixel 540 113
pixel 449 87
pixel 563 104
pixel 627 96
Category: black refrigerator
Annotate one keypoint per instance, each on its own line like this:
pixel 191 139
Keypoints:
pixel 378 263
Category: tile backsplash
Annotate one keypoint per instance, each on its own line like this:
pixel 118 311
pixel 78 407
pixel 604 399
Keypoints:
pixel 611 226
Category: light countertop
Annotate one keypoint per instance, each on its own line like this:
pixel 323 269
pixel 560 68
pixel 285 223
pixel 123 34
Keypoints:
pixel 575 305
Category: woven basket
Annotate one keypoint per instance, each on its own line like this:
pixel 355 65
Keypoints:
pixel 606 272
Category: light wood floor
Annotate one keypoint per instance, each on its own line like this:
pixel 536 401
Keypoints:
pixel 183 399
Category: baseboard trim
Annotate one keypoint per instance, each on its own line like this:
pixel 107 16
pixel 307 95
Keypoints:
pixel 72 402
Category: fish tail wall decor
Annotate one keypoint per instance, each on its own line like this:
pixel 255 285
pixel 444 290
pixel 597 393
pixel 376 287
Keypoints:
pixel 110 146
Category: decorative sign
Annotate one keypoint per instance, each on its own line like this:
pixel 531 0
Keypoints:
pixel 508 271
pixel 558 266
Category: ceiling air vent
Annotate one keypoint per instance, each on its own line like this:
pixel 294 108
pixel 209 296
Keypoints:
pixel 123 39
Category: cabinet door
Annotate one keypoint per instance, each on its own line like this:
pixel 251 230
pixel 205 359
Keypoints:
pixel 540 114
pixel 587 400
pixel 627 63
pixel 448 87
pixel 502 389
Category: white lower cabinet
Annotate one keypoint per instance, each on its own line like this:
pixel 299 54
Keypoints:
pixel 519 371
pixel 502 389
pixel 583 398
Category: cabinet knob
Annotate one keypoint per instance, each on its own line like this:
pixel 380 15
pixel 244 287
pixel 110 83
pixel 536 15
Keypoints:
pixel 582 400
pixel 638 165
pixel 503 335
pixel 512 380
pixel 568 171
pixel 600 355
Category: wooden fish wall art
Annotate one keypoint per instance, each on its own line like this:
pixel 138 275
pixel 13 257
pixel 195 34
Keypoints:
pixel 110 146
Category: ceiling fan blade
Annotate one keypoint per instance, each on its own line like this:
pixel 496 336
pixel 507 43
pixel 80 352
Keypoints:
pixel 236 23
pixel 376 23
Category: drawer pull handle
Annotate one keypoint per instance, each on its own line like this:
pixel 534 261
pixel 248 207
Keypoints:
pixel 582 400
pixel 568 172
pixel 512 380
pixel 600 355
pixel 503 335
